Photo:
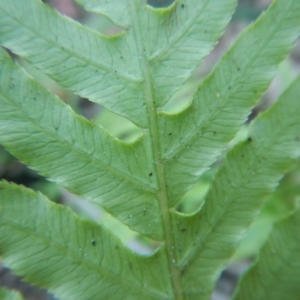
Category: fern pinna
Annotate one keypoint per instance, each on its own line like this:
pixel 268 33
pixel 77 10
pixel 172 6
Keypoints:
pixel 134 74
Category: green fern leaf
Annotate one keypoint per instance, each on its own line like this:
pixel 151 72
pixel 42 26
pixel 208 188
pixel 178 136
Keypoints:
pixel 224 100
pixel 135 74
pixel 278 262
pixel 54 258
pixel 76 153
pixel 206 240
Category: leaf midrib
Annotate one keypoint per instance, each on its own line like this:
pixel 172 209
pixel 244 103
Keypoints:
pixel 159 163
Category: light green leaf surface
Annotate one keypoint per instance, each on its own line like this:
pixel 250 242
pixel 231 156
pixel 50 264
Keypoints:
pixel 276 273
pixel 113 71
pixel 9 295
pixel 178 40
pixel 134 74
pixel 74 152
pixel 278 206
pixel 79 58
pixel 192 140
pixel 206 240
pixel 171 41
pixel 75 259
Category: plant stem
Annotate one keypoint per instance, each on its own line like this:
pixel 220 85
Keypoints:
pixel 160 169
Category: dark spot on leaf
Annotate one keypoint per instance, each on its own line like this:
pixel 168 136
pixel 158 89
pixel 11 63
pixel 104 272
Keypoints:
pixel 117 247
pixel 182 5
pixel 150 174
pixel 93 242
pixel 170 133
pixel 249 139
pixel 239 69
pixel 122 57
pixel 130 265
pixel 229 87
pixel 182 271
pixel 160 3
pixel 215 132
pixel 183 229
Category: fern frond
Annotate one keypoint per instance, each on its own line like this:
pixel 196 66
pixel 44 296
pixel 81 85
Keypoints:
pixel 76 153
pixel 135 74
pixel 278 262
pixel 74 258
pixel 225 99
pixel 252 170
